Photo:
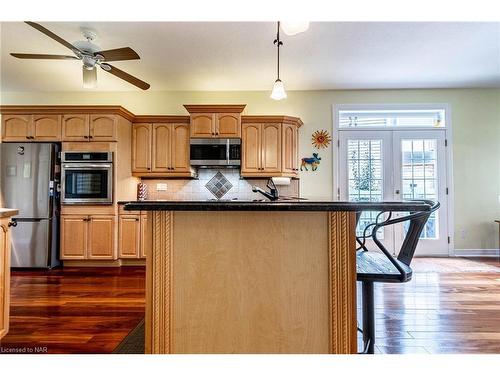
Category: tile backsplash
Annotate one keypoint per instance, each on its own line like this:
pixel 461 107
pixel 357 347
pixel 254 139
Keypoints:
pixel 198 189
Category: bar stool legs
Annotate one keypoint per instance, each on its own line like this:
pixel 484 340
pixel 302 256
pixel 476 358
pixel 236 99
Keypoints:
pixel 368 307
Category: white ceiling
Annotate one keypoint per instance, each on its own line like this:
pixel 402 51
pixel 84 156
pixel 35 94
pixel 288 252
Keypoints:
pixel 241 56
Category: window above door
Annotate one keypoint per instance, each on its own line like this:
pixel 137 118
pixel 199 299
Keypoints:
pixel 390 116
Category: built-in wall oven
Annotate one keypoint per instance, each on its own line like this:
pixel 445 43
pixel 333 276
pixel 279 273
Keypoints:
pixel 87 177
pixel 215 152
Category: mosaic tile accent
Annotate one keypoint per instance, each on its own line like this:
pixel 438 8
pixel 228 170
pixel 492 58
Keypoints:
pixel 219 185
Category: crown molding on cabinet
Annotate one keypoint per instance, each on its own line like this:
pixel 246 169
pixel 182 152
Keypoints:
pixel 217 108
pixel 272 119
pixel 161 119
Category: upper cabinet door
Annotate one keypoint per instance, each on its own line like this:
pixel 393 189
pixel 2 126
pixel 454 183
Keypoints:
pixel 251 148
pixel 289 159
pixel 228 125
pixel 162 146
pixel 47 128
pixel 271 148
pixel 295 149
pixel 141 147
pixel 203 125
pixel 180 161
pixel 16 128
pixel 75 128
pixel 103 128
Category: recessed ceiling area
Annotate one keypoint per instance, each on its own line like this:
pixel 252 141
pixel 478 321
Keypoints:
pixel 225 56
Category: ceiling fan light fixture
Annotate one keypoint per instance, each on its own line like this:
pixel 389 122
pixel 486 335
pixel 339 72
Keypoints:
pixel 294 27
pixel 278 92
pixel 89 78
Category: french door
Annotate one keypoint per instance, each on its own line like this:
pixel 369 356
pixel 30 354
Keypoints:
pixel 394 165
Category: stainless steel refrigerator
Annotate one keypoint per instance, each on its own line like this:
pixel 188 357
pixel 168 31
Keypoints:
pixel 29 180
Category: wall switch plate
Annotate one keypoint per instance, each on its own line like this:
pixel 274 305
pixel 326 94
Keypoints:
pixel 161 187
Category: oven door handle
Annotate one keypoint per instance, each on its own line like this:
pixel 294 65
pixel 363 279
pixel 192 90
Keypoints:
pixel 87 166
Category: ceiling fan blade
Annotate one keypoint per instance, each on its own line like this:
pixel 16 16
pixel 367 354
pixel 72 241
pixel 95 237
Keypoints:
pixel 89 78
pixel 41 56
pixel 125 76
pixel 118 54
pixel 50 34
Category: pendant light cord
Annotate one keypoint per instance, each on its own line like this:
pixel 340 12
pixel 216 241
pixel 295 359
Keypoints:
pixel 278 43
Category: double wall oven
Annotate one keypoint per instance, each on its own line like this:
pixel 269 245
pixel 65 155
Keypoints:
pixel 87 177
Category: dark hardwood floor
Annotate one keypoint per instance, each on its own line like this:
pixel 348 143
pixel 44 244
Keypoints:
pixel 74 310
pixel 90 310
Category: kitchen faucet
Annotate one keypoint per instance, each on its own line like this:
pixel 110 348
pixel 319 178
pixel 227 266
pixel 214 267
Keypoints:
pixel 273 193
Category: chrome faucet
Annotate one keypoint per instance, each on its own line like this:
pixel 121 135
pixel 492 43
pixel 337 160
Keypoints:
pixel 273 193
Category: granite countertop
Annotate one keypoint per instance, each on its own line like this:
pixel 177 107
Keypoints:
pixel 287 205
pixel 8 212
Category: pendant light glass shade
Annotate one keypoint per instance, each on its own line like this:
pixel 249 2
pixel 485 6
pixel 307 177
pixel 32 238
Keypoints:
pixel 292 28
pixel 278 92
pixel 89 78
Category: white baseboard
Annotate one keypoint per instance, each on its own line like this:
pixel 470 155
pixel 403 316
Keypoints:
pixel 476 252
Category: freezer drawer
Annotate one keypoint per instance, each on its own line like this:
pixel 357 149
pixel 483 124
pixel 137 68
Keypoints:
pixel 31 244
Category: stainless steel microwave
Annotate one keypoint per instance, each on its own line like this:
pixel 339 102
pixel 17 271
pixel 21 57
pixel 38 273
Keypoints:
pixel 87 177
pixel 215 152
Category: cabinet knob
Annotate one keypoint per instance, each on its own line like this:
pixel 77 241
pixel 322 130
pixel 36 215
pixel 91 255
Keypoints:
pixel 85 136
pixel 27 137
pixel 91 137
pixel 12 223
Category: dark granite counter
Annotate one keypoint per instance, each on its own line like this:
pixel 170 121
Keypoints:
pixel 286 205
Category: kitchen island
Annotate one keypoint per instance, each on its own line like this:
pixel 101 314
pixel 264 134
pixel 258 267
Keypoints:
pixel 253 277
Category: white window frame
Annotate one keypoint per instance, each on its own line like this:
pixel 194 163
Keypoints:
pixel 400 106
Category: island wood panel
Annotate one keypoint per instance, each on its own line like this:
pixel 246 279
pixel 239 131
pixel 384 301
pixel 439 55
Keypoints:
pixel 229 289
pixel 4 276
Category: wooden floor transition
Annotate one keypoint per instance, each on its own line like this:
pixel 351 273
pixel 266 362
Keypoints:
pixel 91 310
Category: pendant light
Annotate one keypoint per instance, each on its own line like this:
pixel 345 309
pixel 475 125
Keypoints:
pixel 294 27
pixel 278 92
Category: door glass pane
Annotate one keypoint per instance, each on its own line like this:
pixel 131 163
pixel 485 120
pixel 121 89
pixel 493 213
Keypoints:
pixel 419 177
pixel 364 162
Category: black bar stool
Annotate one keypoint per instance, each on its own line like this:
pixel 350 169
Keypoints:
pixel 374 267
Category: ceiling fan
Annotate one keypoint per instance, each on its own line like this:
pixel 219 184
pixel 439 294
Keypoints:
pixel 90 55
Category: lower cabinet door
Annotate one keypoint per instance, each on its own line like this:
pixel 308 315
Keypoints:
pixel 101 244
pixel 73 237
pixel 129 232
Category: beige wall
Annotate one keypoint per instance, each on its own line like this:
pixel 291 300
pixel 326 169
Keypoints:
pixel 475 122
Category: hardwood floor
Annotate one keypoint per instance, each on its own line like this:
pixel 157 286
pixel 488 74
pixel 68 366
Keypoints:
pixel 74 310
pixel 90 310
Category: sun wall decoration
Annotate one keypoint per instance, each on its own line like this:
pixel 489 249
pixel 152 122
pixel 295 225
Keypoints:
pixel 321 139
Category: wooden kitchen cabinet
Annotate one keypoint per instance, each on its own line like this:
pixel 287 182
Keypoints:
pixel 261 148
pixel 132 236
pixel 216 125
pixel 215 121
pixel 129 236
pixel 203 125
pixel 269 146
pixel 89 128
pixel 28 128
pixel 101 232
pixel 75 128
pixel 141 148
pixel 160 149
pixel 87 237
pixel 103 128
pixel 290 158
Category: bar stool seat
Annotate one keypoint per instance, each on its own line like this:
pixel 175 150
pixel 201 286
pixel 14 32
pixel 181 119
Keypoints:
pixel 376 267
